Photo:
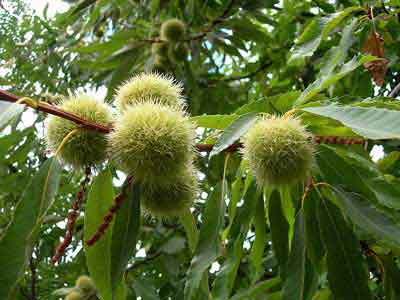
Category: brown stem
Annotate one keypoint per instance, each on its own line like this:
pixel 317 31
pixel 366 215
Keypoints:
pixel 200 147
pixel 53 110
pixel 72 217
pixel 107 219
pixel 335 140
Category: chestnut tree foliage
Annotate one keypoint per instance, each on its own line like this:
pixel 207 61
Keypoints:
pixel 334 64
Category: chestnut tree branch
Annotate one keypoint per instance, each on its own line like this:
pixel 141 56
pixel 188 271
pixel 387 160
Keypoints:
pixel 53 110
pixel 217 21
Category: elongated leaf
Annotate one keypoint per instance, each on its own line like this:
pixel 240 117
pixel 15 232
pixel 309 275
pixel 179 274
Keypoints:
pixel 224 282
pixel 336 170
pixel 8 111
pixel 325 81
pixel 344 259
pixel 214 121
pixel 257 250
pixel 125 232
pixel 98 256
pixel 391 277
pixel 288 206
pixel 258 291
pixel 387 193
pixel 315 247
pixel 192 233
pixel 279 231
pixel 309 40
pixel 120 74
pixel 144 289
pixel 317 30
pixel 233 132
pixel 208 247
pixel 81 6
pixel 300 280
pixel 237 190
pixel 370 122
pixel 388 163
pixel 337 55
pixel 17 242
pixel 273 104
pixel 353 172
pixel 225 279
pixel 369 219
pixel 121 291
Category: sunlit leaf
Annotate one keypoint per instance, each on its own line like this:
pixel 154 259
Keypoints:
pixel 98 256
pixel 370 122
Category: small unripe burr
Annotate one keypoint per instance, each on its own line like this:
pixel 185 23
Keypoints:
pixel 279 151
pixel 74 295
pixel 84 147
pixel 160 48
pixel 173 30
pixel 140 88
pixel 152 141
pixel 170 199
pixel 85 284
pixel 177 52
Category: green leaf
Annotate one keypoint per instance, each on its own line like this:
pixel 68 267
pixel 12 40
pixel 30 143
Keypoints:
pixel 315 247
pixel 214 121
pixel 300 278
pixel 353 172
pixel 144 289
pixel 391 277
pixel 369 219
pixel 281 103
pixel 225 279
pixel 63 292
pixel 8 111
pixel 81 6
pixel 308 41
pixel 279 231
pixel 233 132
pixel 370 122
pixel 192 233
pixel 21 234
pixel 208 247
pixel 98 256
pixel 337 55
pixel 238 189
pixel 258 291
pixel 387 163
pixel 317 30
pixel 387 193
pixel 325 81
pixel 121 291
pixel 346 273
pixel 323 294
pixel 120 74
pixel 257 250
pixel 125 231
